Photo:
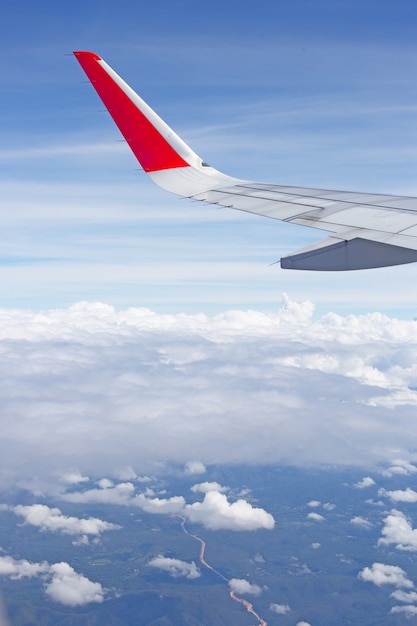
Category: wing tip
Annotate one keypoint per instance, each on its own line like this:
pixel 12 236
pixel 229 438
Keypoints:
pixel 85 53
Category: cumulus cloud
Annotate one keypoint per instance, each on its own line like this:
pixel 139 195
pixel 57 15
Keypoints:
pixel 408 609
pixel 163 506
pixel 119 494
pixel 52 519
pixel 184 382
pixel 124 494
pixel 214 512
pixel 400 466
pixel 22 568
pixel 175 567
pixel 128 473
pixel 62 583
pixel 314 503
pixel 280 609
pixel 381 574
pixel 358 520
pixel 242 586
pixel 70 588
pixel 73 478
pixel 194 467
pixel 398 531
pixel 366 481
pixel 406 495
pixel 208 486
pixel 316 517
pixel 404 596
pixel 217 513
pixel 105 483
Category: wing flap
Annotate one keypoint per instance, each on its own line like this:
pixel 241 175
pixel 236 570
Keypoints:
pixel 334 254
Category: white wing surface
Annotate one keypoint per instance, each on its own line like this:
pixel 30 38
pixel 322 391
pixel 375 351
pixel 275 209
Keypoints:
pixel 365 230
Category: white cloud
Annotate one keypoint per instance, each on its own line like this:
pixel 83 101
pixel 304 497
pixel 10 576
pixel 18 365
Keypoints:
pixel 105 483
pixel 214 512
pixel 408 609
pixel 217 513
pixel 194 467
pixel 398 531
pixel 316 517
pixel 242 586
pixel 399 466
pixel 407 495
pixel 119 494
pixel 175 567
pixel 70 588
pixel 404 596
pixel 164 506
pixel 62 583
pixel 366 481
pixel 303 623
pixel 280 609
pixel 73 478
pixel 405 466
pixel 144 479
pixel 314 503
pixel 208 486
pixel 361 521
pixel 53 520
pixel 316 545
pixel 21 569
pixel 128 473
pixel 381 574
pixel 98 369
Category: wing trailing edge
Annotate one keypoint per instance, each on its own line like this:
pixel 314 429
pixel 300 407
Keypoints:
pixel 369 230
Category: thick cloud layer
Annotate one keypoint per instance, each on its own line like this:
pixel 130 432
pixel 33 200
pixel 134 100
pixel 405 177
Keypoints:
pixel 89 390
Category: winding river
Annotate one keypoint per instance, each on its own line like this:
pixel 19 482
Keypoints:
pixel 248 605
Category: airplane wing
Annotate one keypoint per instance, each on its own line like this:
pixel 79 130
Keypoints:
pixel 366 230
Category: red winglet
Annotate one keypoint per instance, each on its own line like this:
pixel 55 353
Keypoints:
pixel 148 145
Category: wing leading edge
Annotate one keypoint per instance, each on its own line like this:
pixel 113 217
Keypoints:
pixel 367 230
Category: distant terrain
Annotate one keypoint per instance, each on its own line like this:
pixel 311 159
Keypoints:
pixel 335 554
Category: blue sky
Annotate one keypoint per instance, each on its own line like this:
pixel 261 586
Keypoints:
pixel 319 94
